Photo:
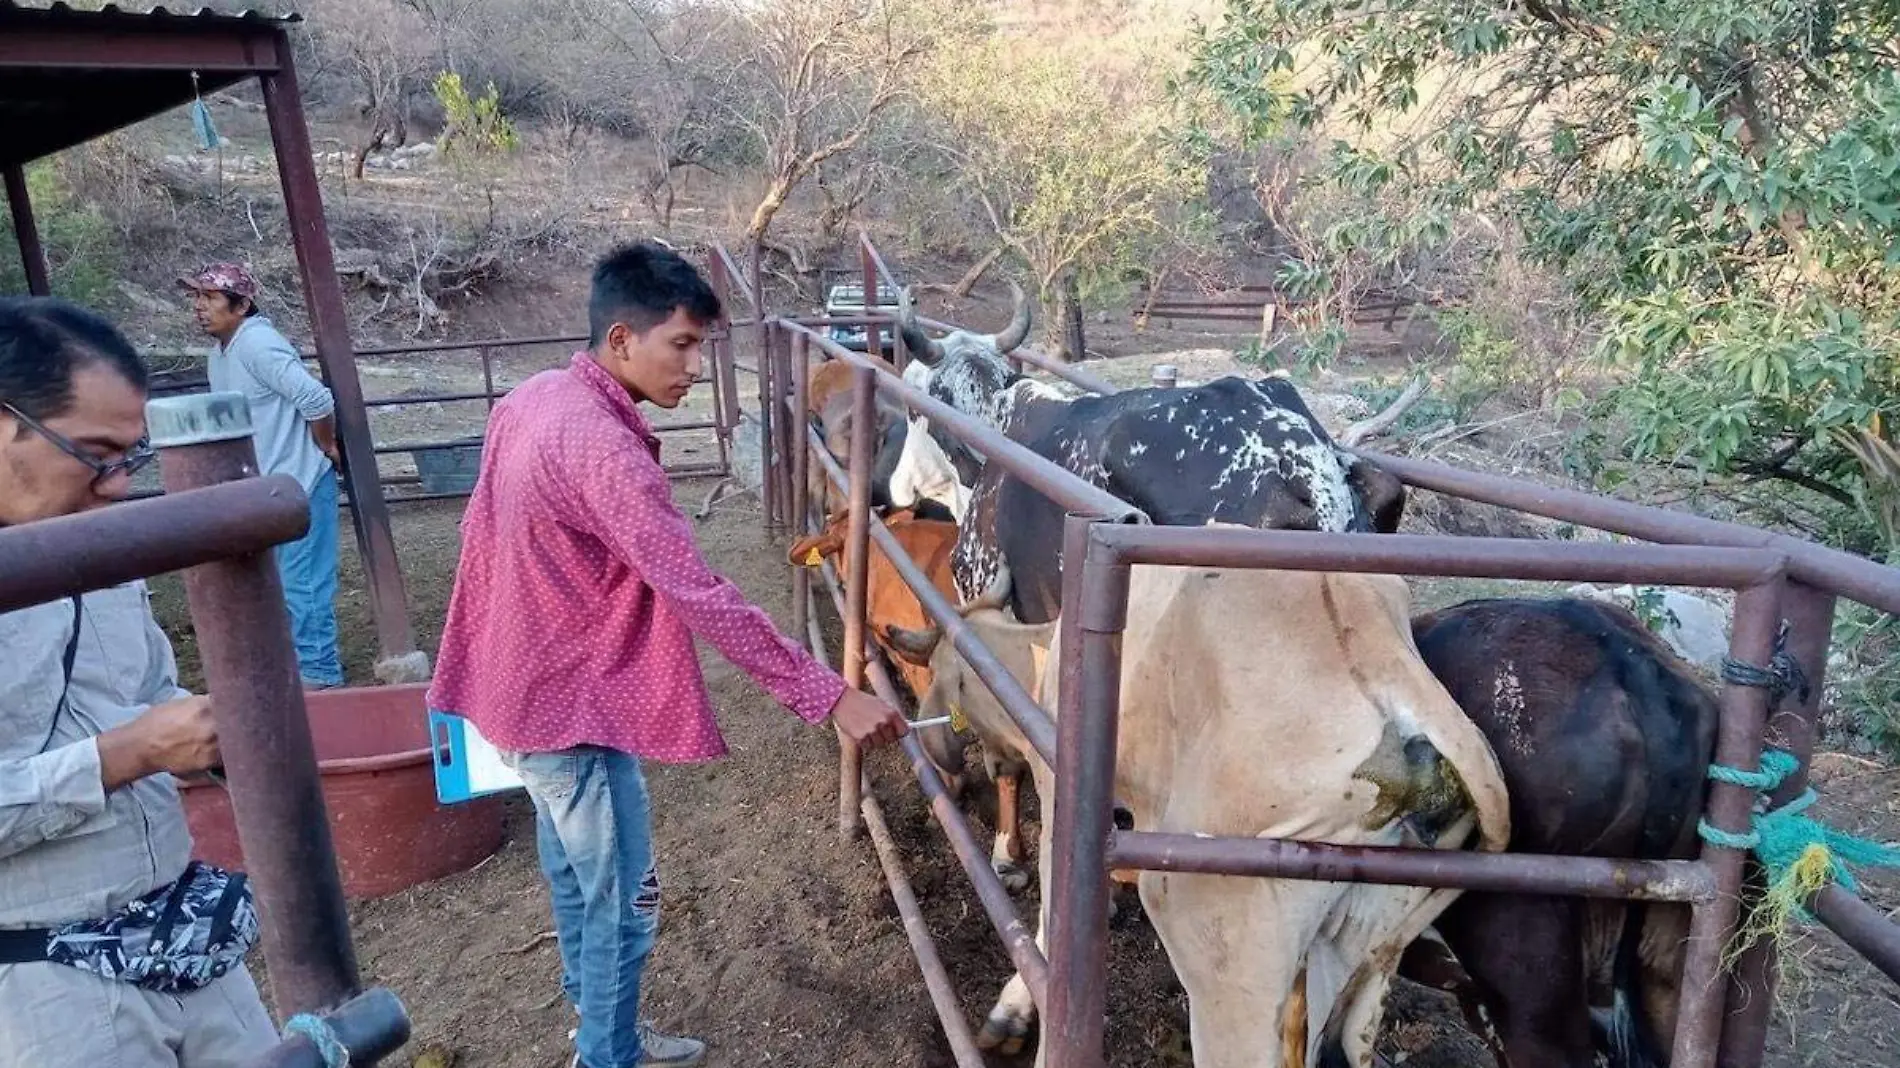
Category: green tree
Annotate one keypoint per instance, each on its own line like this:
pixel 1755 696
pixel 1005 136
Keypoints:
pixel 1070 161
pixel 1717 180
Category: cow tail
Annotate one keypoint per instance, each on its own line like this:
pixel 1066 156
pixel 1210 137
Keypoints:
pixel 1624 1034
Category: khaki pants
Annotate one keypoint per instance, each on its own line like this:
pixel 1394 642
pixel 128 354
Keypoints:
pixel 56 1016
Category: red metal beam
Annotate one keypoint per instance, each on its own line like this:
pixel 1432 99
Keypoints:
pixel 235 49
pixel 32 253
pixel 323 299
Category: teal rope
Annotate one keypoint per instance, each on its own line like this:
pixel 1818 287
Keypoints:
pixel 1779 837
pixel 321 1035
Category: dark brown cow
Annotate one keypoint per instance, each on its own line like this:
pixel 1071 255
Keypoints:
pixel 1604 737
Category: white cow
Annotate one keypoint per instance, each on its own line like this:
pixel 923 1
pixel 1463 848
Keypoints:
pixel 1268 704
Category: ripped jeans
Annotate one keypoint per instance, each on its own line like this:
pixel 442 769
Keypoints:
pixel 594 833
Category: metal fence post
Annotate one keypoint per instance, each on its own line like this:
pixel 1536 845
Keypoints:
pixel 873 334
pixel 768 439
pixel 1094 612
pixel 270 761
pixel 1738 744
pixel 857 562
pixel 1810 616
pixel 786 446
pixel 800 448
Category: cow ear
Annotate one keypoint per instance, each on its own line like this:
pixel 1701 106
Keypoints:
pixel 1379 494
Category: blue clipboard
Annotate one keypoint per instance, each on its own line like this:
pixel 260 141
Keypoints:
pixel 467 766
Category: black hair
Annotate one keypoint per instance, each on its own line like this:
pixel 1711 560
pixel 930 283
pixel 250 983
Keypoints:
pixel 641 284
pixel 44 341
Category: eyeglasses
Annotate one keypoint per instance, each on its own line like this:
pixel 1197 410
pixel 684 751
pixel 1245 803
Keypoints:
pixel 135 458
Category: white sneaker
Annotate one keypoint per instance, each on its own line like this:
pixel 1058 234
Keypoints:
pixel 658 1050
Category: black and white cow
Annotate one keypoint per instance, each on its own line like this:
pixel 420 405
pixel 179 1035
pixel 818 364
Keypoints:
pixel 1235 450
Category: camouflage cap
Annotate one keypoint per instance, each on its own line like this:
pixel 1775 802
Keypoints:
pixel 223 277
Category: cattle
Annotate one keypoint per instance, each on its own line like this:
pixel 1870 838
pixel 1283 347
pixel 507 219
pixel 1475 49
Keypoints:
pixel 1604 737
pixel 1270 704
pixel 1247 452
pixel 890 604
pixel 829 408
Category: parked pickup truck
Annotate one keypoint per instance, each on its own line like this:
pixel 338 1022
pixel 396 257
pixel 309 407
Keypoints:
pixel 848 299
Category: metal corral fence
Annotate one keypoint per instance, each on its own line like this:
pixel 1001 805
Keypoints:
pixel 446 466
pixel 217 521
pixel 1777 578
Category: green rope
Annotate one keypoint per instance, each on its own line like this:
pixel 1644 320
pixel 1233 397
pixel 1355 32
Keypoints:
pixel 1780 837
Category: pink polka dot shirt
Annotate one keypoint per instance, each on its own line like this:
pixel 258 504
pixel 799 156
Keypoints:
pixel 580 590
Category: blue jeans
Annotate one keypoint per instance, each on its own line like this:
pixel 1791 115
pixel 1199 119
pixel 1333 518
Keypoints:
pixel 594 831
pixel 308 566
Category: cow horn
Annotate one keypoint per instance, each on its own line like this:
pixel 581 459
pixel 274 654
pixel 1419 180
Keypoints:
pixel 914 646
pixel 1017 331
pixel 920 345
pixel 995 598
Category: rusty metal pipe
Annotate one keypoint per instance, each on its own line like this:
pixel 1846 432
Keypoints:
pixel 768 439
pixel 270 761
pixel 943 996
pixel 1737 745
pixel 872 265
pixel 1059 485
pixel 801 485
pixel 1010 692
pixel 1095 610
pixel 1520 873
pixel 1830 570
pixel 857 561
pixel 1018 940
pixel 54 558
pixel 788 438
pixel 372 1025
pixel 1792 727
pixel 26 232
pixel 1423 554
pixel 1861 926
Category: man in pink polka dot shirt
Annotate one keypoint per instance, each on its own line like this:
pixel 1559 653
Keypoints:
pixel 569 638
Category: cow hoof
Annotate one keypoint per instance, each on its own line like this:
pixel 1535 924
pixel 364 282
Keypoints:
pixel 1004 1034
pixel 1015 877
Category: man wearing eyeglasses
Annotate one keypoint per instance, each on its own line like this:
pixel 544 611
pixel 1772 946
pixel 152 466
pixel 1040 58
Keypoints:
pixel 93 726
pixel 295 421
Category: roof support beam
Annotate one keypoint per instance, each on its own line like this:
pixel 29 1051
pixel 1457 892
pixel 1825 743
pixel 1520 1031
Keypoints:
pixel 32 253
pixel 204 49
pixel 323 300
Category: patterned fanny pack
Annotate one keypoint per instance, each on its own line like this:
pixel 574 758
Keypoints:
pixel 175 939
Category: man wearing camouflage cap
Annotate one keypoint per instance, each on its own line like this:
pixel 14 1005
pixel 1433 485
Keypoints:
pixel 295 434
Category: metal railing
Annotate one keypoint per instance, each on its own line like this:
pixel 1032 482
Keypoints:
pixel 1776 577
pixel 218 522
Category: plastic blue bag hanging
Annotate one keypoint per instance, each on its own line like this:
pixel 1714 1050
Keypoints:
pixel 201 123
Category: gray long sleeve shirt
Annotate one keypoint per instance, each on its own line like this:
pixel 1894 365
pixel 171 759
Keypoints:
pixel 69 850
pixel 284 396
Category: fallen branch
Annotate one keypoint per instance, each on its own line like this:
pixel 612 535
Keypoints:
pixel 1380 423
pixel 538 940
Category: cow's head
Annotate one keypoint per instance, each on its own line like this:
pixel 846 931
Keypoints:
pixel 959 345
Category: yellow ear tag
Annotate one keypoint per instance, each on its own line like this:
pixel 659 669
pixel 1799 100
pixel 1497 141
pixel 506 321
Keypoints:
pixel 957 722
pixel 813 557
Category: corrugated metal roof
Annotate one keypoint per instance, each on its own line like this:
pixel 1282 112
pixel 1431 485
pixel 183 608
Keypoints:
pixel 11 10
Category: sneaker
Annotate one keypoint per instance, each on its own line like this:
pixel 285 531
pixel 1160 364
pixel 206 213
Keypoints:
pixel 658 1050
pixel 667 1051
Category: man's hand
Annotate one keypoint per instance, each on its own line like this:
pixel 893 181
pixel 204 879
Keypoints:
pixel 177 737
pixel 868 721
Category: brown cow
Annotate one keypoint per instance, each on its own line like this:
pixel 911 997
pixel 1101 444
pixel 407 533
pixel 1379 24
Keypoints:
pixel 890 603
pixel 1604 737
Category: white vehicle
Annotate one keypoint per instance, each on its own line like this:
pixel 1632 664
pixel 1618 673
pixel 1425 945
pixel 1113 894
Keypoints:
pixel 847 299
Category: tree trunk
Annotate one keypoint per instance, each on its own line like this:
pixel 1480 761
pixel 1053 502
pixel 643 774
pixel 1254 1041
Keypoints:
pixel 1074 345
pixel 769 205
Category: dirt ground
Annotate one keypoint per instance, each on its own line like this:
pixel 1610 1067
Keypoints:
pixel 780 943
